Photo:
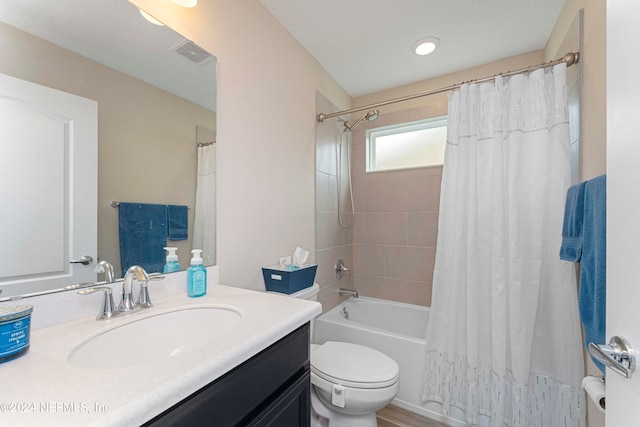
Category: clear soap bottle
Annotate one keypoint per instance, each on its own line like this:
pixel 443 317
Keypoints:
pixel 196 276
pixel 171 264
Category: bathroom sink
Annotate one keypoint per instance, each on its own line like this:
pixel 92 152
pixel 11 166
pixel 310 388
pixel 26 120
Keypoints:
pixel 155 338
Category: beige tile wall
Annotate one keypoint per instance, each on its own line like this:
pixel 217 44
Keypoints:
pixel 396 224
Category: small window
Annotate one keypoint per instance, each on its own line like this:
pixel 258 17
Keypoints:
pixel 407 145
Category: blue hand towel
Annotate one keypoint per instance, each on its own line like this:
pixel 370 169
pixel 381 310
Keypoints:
pixel 143 235
pixel 593 285
pixel 571 249
pixel 178 222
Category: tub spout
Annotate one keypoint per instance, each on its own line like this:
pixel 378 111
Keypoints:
pixel 348 292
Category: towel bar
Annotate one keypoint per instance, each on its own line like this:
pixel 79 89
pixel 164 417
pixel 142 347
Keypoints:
pixel 115 204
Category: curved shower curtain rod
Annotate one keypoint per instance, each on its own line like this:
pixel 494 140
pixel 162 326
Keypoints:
pixel 570 59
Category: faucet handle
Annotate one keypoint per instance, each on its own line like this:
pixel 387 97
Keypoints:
pixel 109 309
pixel 144 300
pixel 341 269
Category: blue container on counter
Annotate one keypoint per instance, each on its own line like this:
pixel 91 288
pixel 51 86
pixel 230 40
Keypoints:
pixel 15 323
pixel 289 280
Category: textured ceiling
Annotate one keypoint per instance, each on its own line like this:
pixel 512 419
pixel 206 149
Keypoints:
pixel 366 44
pixel 113 33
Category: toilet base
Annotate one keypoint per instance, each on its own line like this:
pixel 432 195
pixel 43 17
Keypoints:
pixel 323 417
pixel 317 420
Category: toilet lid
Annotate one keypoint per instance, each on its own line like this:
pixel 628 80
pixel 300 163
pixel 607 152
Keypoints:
pixel 354 365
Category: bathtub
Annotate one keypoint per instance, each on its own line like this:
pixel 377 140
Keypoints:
pixel 395 329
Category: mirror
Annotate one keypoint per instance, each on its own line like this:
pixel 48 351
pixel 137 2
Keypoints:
pixel 154 106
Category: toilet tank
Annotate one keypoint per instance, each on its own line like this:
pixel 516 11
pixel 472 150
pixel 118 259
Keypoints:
pixel 311 294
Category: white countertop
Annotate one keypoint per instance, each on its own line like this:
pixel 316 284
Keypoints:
pixel 42 388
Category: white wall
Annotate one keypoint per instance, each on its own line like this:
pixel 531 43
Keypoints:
pixel 592 107
pixel 593 152
pixel 267 87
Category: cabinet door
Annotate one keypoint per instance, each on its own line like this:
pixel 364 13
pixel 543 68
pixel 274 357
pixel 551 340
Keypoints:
pixel 292 408
pixel 251 390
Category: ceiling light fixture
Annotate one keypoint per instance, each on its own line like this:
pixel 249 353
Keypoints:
pixel 425 45
pixel 186 3
pixel 150 18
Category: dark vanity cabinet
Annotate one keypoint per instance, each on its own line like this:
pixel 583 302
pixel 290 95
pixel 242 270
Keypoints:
pixel 270 389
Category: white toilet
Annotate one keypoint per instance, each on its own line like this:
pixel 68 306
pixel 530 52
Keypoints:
pixel 349 382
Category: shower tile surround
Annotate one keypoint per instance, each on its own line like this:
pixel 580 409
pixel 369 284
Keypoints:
pixel 391 246
pixel 396 222
pixel 332 241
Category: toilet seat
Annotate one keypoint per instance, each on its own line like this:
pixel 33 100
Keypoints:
pixel 353 365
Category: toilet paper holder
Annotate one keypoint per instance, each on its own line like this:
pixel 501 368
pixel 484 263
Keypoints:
pixel 617 355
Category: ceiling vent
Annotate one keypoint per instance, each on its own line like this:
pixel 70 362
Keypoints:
pixel 193 52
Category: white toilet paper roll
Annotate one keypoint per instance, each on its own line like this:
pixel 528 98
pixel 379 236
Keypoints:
pixel 595 389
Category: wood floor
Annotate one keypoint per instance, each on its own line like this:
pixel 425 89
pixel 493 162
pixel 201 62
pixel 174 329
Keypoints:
pixel 392 416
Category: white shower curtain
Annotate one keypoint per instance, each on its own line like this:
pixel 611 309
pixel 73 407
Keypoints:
pixel 504 338
pixel 204 228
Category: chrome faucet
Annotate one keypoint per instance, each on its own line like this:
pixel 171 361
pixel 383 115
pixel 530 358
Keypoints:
pixel 350 292
pixel 127 304
pixel 105 267
pixel 108 308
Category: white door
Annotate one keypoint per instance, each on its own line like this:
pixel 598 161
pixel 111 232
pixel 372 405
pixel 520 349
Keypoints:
pixel 623 201
pixel 48 187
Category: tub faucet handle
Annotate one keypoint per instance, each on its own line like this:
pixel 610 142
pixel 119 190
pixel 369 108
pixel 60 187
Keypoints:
pixel 341 269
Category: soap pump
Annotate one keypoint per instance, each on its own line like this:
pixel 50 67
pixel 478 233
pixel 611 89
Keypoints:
pixel 196 276
pixel 172 264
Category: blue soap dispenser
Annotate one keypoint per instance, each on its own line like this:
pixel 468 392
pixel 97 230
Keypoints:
pixel 196 276
pixel 172 264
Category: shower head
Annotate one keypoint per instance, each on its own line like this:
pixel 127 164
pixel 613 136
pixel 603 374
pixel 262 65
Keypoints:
pixel 369 116
pixel 372 115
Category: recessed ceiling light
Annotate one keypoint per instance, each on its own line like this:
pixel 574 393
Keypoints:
pixel 425 45
pixel 150 18
pixel 186 3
